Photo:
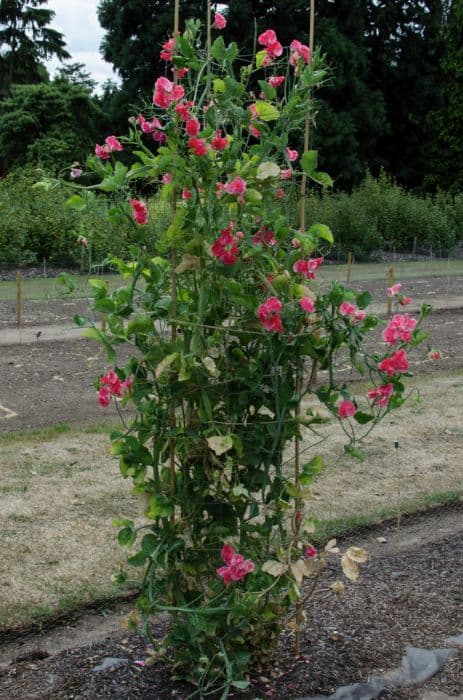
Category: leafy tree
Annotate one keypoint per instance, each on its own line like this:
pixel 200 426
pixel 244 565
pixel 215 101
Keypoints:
pixel 405 41
pixel 448 121
pixel 50 124
pixel 76 74
pixel 25 41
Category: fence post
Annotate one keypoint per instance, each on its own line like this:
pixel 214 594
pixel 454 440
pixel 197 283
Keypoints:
pixel 19 298
pixel 349 266
pixel 390 282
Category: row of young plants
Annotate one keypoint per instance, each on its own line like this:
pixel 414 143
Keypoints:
pixel 228 320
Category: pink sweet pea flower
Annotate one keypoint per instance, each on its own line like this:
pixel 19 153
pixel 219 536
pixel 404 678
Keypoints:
pixel 286 174
pixel 102 152
pixel 198 146
pixel 186 194
pixel 307 268
pixel 435 355
pixel 394 290
pixel 264 236
pixel 359 315
pixel 219 21
pixel 236 566
pixel 236 186
pixel 139 211
pixel 347 309
pixel 404 301
pixel 113 144
pixel 181 72
pixel 167 178
pixel 273 48
pixel 307 305
pixel 254 131
pixel 346 409
pixel 225 248
pixel 219 142
pixel 396 363
pixel 297 51
pixel 168 50
pixel 400 327
pixel 276 80
pixel 310 552
pixel 381 394
pixel 76 172
pixel 291 154
pixel 192 127
pixel 103 397
pixel 269 314
pixel 280 194
pixel 183 110
pixel 166 92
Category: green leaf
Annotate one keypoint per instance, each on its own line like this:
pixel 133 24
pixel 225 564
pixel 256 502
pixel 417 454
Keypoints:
pixel 218 50
pixel 268 90
pixel 76 202
pixel 266 111
pixel 309 161
pixel 127 536
pixel 159 507
pixel 363 300
pixel 241 685
pixel 354 452
pixel 363 418
pixel 260 58
pixel 219 85
pixel 311 469
pixel 322 178
pixel 322 231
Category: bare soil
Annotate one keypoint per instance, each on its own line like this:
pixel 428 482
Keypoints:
pixel 409 593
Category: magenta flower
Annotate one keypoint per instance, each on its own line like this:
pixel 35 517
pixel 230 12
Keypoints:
pixel 297 51
pixel 347 309
pixel 381 394
pixel 400 327
pixel 269 314
pixel 276 80
pixel 113 144
pixel 346 409
pixel 236 566
pixel 186 194
pixel 168 49
pixel 219 21
pixel 225 248
pixel 273 48
pixel 76 172
pixel 102 152
pixel 307 268
pixel 286 174
pixel 111 385
pixel 397 362
pixel 139 211
pixel 219 142
pixel 307 305
pixel 236 186
pixel 198 146
pixel 394 290
pixel 264 236
pixel 310 552
pixel 166 92
pixel 192 127
pixel 291 154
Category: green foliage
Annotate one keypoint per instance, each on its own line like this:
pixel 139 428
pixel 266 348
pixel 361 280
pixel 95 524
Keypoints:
pixel 47 124
pixel 28 38
pixel 381 215
pixel 227 320
pixel 35 224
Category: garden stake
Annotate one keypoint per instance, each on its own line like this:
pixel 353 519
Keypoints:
pixel 19 298
pixel 173 327
pixel 349 266
pixel 103 317
pixel 390 282
pixel 297 440
pixel 398 476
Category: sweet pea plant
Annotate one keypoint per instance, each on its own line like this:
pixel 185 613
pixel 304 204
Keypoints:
pixel 228 320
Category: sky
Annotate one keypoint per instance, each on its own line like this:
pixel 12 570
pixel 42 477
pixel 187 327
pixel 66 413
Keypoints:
pixel 78 22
